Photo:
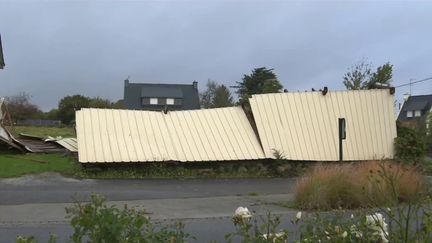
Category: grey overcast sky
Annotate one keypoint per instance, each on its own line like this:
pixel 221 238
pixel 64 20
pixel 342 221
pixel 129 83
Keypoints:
pixel 58 48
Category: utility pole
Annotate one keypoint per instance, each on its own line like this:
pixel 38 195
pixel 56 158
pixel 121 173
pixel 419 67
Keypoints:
pixel 410 84
pixel 2 63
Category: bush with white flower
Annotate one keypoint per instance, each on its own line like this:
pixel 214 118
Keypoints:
pixel 241 215
pixel 376 223
pixel 249 230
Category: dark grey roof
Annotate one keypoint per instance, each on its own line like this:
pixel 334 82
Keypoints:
pixel 416 105
pixel 418 102
pixel 134 92
pixel 161 92
pixel 2 63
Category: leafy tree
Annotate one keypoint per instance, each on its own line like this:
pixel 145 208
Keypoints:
pixel 208 95
pixel 100 103
pixel 20 107
pixel 69 104
pixel 360 76
pixel 216 96
pixel 118 105
pixel 383 75
pixel 51 115
pixel 410 145
pixel 222 97
pixel 261 80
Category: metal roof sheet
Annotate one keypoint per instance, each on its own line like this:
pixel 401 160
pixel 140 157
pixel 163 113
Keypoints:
pixel 106 135
pixel 304 126
pixel 70 144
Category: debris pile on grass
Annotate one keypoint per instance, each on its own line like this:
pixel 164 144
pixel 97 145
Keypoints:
pixel 361 184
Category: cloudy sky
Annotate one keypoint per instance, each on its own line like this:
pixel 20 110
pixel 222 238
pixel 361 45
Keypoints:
pixel 58 48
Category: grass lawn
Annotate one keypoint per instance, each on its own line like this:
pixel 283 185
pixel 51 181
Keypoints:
pixel 13 165
pixel 43 131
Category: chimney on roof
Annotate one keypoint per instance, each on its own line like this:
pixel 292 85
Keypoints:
pixel 195 84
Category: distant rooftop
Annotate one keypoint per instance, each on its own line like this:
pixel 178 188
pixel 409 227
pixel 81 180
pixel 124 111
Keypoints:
pixel 158 96
pixel 422 103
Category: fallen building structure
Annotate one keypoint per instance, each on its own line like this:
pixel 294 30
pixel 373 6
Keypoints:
pixel 306 126
pixel 30 143
pixel 107 135
pixel 327 126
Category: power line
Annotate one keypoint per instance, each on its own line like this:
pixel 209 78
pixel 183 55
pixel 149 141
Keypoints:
pixel 411 83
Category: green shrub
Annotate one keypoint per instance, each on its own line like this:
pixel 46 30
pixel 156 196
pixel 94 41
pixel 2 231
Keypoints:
pixel 410 146
pixel 97 222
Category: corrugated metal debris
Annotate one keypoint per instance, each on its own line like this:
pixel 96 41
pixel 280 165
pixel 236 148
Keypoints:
pixel 5 136
pixel 106 135
pixel 49 144
pixel 304 126
pixel 34 144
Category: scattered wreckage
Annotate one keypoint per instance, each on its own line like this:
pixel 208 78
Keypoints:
pixel 30 143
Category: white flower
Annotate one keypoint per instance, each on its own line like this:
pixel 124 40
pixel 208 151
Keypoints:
pixel 344 234
pixel 377 223
pixel 243 212
pixel 352 216
pixel 388 210
pixel 275 236
pixel 298 215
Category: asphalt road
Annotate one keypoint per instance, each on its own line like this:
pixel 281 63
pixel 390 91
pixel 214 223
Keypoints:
pixel 52 188
pixel 209 202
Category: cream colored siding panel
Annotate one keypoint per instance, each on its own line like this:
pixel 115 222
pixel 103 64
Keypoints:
pixel 304 126
pixel 112 136
pixel 106 135
pixel 82 155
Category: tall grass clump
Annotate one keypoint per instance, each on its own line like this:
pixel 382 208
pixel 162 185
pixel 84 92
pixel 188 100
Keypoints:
pixel 357 185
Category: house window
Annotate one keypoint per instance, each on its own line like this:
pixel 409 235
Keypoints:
pixel 409 114
pixel 178 101
pixel 417 113
pixel 153 101
pixel 170 101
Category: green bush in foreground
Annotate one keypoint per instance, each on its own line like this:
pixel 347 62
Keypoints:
pixel 410 222
pixel 97 222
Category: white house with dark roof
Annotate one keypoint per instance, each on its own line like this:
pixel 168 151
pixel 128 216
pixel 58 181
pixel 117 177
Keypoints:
pixel 415 111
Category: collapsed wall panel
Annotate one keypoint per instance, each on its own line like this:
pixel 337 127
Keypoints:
pixel 106 135
pixel 305 125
